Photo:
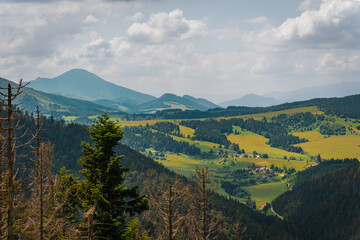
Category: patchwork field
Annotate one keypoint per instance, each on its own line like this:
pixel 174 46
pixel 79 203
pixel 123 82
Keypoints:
pixel 346 146
pixel 186 131
pixel 183 164
pixel 298 165
pixel 222 165
pixel 313 110
pixel 310 135
pixel 203 145
pixel 257 143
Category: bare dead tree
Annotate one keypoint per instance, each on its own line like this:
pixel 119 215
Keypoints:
pixel 12 126
pixel 2 182
pixel 202 222
pixel 238 230
pixel 165 201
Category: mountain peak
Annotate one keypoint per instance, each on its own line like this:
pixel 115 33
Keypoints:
pixel 80 83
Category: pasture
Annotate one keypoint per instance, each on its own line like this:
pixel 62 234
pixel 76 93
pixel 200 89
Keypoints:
pixel 254 142
pixel 265 193
pixel 345 146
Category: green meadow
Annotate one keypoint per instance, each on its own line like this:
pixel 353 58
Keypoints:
pixel 265 193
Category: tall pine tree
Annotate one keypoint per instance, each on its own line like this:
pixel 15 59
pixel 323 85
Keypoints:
pixel 109 204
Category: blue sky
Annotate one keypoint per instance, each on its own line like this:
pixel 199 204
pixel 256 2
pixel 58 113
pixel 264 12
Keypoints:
pixel 219 50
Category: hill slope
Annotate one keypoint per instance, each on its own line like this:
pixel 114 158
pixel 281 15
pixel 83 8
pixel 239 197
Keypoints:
pixel 171 101
pixel 56 105
pixel 80 83
pixel 325 207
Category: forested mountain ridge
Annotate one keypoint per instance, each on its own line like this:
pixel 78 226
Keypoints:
pixel 72 84
pixel 56 105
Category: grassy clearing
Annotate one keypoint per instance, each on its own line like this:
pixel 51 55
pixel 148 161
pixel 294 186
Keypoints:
pixel 69 118
pixel 254 142
pixel 265 193
pixel 204 146
pixel 298 165
pixel 186 131
pixel 183 164
pixel 258 116
pixel 346 146
pixel 309 135
pixel 143 122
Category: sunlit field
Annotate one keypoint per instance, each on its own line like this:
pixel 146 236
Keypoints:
pixel 265 193
pixel 346 146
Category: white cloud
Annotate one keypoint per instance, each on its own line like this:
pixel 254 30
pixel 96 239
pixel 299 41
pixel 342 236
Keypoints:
pixel 309 4
pixel 136 17
pixel 90 19
pixel 334 25
pixel 37 29
pixel 166 27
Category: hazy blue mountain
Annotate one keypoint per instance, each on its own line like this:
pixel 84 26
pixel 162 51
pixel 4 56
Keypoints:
pixel 79 83
pixel 251 100
pixel 201 101
pixel 171 101
pixel 326 91
pixel 56 105
pixel 125 106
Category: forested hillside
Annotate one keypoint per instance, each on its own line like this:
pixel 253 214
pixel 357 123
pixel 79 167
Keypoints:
pixel 324 204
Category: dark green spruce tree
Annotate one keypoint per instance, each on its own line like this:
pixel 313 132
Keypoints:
pixel 109 205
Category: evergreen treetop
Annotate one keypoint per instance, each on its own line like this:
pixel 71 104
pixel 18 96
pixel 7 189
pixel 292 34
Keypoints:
pixel 103 190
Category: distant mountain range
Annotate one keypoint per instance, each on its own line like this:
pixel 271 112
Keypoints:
pixel 251 100
pixel 275 98
pixel 327 91
pixel 81 93
pixel 81 84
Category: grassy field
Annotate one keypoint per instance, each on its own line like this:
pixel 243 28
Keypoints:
pixel 186 131
pixel 69 118
pixel 204 146
pixel 143 122
pixel 258 116
pixel 183 164
pixel 346 146
pixel 254 142
pixel 265 193
pixel 310 135
pixel 298 165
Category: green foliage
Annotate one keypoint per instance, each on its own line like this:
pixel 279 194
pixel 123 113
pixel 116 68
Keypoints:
pixel 332 129
pixel 142 137
pixel 133 231
pixel 104 175
pixel 324 204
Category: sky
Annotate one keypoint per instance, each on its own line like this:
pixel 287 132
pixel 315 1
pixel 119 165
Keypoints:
pixel 219 50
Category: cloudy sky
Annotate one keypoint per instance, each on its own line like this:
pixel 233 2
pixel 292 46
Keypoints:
pixel 206 48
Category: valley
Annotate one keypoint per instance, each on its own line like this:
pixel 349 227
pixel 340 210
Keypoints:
pixel 246 151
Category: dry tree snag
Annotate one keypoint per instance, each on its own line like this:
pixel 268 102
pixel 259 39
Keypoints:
pixel 202 221
pixel 164 213
pixel 12 126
